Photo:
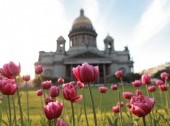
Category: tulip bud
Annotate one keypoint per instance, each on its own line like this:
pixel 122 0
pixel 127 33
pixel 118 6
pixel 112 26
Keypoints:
pixel 137 83
pixel 54 91
pixel 159 82
pixel 103 89
pixel 151 88
pixel 80 84
pixel 119 74
pixel 26 77
pixel 116 109
pixel 127 95
pixel 138 92
pixel 163 87
pixel 60 80
pixel 164 76
pixel 39 92
pixel 38 69
pixel 46 84
pixel 114 86
pixel 146 79
pixel 61 123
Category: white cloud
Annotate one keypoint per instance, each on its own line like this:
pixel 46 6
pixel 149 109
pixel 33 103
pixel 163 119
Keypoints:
pixel 153 20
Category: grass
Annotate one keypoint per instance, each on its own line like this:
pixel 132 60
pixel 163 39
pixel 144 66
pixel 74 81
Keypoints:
pixel 108 100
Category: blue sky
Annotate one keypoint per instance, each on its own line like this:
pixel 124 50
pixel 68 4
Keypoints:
pixel 29 26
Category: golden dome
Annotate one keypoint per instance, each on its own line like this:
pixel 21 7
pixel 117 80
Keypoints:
pixel 82 21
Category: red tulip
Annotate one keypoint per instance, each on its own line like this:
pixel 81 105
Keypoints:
pixel 163 87
pixel 146 79
pixel 70 93
pixel 38 69
pixel 86 73
pixel 116 109
pixel 114 86
pixel 103 89
pixel 39 92
pixel 164 76
pixel 151 88
pixel 54 91
pixel 8 87
pixel 11 70
pixel 80 84
pixel 127 95
pixel 48 100
pixel 141 105
pixel 61 123
pixel 137 83
pixel 119 74
pixel 121 104
pixel 26 77
pixel 53 110
pixel 60 80
pixel 46 84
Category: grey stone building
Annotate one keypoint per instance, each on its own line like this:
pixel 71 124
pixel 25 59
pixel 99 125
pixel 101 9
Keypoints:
pixel 83 48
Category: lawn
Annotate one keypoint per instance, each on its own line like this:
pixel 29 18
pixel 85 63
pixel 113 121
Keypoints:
pixel 108 100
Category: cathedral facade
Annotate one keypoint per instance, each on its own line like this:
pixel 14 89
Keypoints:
pixel 83 48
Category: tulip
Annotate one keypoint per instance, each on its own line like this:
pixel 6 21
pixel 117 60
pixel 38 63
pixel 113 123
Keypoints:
pixel 38 69
pixel 53 110
pixel 116 109
pixel 119 74
pixel 61 123
pixel 46 84
pixel 48 100
pixel 141 105
pixel 138 92
pixel 11 70
pixel 9 87
pixel 127 95
pixel 146 79
pixel 86 73
pixel 151 88
pixel 60 80
pixel 54 91
pixel 26 77
pixel 121 104
pixel 163 87
pixel 103 89
pixel 114 86
pixel 164 76
pixel 39 92
pixel 70 93
pixel 137 83
pixel 80 84
pixel 159 82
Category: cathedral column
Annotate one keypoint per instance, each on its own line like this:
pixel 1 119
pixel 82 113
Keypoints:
pixel 104 73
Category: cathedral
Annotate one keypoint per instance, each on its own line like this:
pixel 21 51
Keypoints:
pixel 83 48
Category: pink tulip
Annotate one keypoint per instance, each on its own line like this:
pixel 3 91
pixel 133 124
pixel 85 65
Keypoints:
pixel 114 86
pixel 48 100
pixel 164 76
pixel 80 84
pixel 54 91
pixel 159 82
pixel 121 104
pixel 46 84
pixel 146 79
pixel 138 92
pixel 8 87
pixel 116 109
pixel 151 88
pixel 61 123
pixel 119 74
pixel 86 73
pixel 103 89
pixel 26 77
pixel 141 105
pixel 137 83
pixel 60 80
pixel 127 95
pixel 38 69
pixel 53 110
pixel 70 93
pixel 11 70
pixel 39 92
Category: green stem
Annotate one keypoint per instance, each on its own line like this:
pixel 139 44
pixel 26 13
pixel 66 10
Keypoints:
pixel 144 122
pixel 123 88
pixel 15 119
pixel 20 107
pixel 147 90
pixel 72 107
pixel 121 117
pixel 49 123
pixel 9 107
pixel 28 113
pixel 101 105
pixel 85 112
pixel 92 102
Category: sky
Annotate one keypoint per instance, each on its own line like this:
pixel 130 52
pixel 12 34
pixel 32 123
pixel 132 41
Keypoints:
pixel 30 26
